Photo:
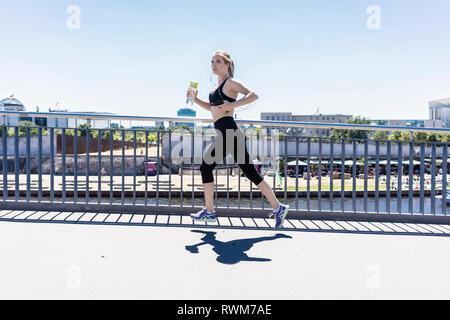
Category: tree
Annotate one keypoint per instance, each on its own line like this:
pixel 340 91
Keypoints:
pixel 84 129
pixel 9 132
pixel 34 130
pixel 182 127
pixel 444 137
pixel 152 137
pixel 422 136
pixel 396 135
pixel 380 135
pixel 434 137
pixel 353 134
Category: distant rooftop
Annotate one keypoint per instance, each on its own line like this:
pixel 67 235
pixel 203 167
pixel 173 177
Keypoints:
pixel 445 101
pixel 11 103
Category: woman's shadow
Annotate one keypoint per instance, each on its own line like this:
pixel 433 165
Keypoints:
pixel 231 252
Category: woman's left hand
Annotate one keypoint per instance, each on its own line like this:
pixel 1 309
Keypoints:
pixel 226 106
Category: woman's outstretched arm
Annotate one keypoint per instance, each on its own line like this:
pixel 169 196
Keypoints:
pixel 203 104
pixel 200 102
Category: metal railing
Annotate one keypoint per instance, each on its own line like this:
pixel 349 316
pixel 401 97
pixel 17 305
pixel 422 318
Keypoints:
pixel 107 170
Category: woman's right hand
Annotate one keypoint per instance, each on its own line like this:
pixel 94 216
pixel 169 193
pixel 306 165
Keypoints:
pixel 194 93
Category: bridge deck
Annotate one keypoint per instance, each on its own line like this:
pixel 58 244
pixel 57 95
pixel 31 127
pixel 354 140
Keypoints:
pixel 100 255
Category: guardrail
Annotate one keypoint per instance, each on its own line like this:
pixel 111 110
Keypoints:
pixel 267 123
pixel 324 178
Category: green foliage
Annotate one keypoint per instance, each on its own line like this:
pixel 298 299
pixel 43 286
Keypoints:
pixel 419 136
pixel 353 134
pixel 396 135
pixel 84 130
pixel 281 135
pixel 384 135
pixel 34 129
pixel 380 135
pixel 281 165
pixel 152 137
pixel 184 127
pixel 444 137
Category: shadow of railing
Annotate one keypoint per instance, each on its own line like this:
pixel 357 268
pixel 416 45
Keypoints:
pixel 236 223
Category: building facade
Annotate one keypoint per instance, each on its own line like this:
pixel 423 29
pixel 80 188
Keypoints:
pixel 95 124
pixel 186 112
pixel 13 104
pixel 439 111
pixel 400 123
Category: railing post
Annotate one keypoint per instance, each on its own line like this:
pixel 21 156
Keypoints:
pixel 331 166
pixel 111 165
pixel 296 172
pixel 86 197
pixel 422 178
pixel 319 176
pixel 146 168
pixel 433 178
pixel 29 166
pixel 99 166
pixel 17 163
pixel 5 160
pixel 40 164
pixel 354 170
pixel 366 173
pixel 122 198
pixel 343 175
pixel 388 177
pixel 399 176
pixel 377 176
pixel 52 165
pixel 444 178
pixel 75 165
pixel 308 175
pixel 411 178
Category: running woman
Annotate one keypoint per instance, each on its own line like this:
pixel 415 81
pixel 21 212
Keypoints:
pixel 222 102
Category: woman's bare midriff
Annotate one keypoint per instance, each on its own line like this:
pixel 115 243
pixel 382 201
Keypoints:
pixel 217 113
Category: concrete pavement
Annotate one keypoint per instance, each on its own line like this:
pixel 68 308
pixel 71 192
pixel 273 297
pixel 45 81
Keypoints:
pixel 87 255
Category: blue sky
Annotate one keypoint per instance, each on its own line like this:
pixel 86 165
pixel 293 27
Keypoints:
pixel 137 57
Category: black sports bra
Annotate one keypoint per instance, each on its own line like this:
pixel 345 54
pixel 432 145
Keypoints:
pixel 217 97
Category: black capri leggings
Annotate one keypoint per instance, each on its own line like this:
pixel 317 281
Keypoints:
pixel 228 127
